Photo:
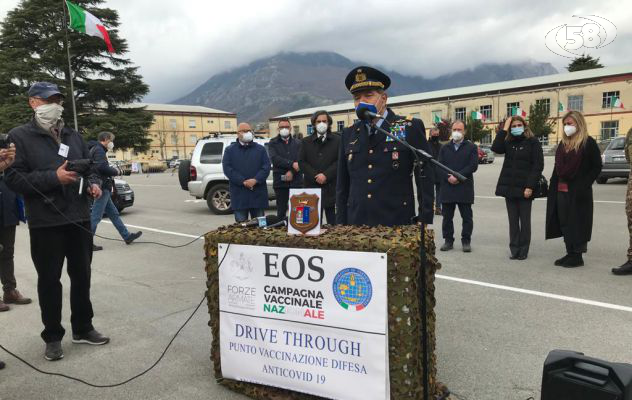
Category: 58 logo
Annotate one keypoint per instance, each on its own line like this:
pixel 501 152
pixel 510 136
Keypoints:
pixel 566 40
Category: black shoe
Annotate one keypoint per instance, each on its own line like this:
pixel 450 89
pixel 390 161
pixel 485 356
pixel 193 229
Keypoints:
pixel 467 248
pixel 513 257
pixel 574 260
pixel 53 351
pixel 96 248
pixel 133 236
pixel 93 337
pixel 560 261
pixel 2 365
pixel 625 269
pixel 521 257
pixel 447 246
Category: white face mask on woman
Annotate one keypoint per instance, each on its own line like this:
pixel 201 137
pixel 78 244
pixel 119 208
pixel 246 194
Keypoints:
pixel 321 128
pixel 47 115
pixel 569 130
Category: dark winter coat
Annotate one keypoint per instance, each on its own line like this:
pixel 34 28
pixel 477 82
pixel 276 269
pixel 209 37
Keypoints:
pixel 522 166
pixel 435 149
pixel 9 209
pixel 34 175
pixel 464 161
pixel 245 162
pixel 98 153
pixel 318 157
pixel 283 155
pixel 580 216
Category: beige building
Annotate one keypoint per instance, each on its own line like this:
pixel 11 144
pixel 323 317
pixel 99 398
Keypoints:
pixel 593 92
pixel 177 128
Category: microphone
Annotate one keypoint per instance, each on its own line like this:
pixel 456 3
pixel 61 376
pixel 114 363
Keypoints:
pixel 261 221
pixel 281 223
pixel 366 112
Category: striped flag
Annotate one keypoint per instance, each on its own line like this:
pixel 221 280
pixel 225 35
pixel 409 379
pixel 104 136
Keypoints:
pixel 560 106
pixel 617 103
pixel 437 119
pixel 518 111
pixel 84 22
pixel 478 115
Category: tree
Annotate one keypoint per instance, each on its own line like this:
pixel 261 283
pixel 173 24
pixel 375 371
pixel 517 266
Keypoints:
pixel 33 48
pixel 445 129
pixel 584 62
pixel 162 141
pixel 539 122
pixel 475 130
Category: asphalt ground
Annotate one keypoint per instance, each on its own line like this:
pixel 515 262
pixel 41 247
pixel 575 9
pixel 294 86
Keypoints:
pixel 497 319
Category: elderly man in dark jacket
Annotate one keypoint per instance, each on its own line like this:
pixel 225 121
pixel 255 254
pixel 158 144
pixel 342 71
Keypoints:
pixel 58 212
pixel 461 156
pixel 284 151
pixel 319 162
pixel 104 205
pixel 247 166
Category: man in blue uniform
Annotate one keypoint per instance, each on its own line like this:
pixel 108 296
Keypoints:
pixel 375 172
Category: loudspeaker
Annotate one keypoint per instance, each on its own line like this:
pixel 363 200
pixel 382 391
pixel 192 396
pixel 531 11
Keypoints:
pixel 569 375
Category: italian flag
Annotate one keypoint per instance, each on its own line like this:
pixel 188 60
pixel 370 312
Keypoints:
pixel 478 115
pixel 617 103
pixel 437 119
pixel 518 111
pixel 84 22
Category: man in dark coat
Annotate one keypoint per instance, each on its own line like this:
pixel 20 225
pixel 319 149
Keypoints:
pixel 374 171
pixel 318 160
pixel 286 173
pixel 435 148
pixel 58 213
pixel 461 156
pixel 247 166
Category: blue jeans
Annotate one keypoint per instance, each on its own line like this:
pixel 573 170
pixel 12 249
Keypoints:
pixel 104 205
pixel 242 215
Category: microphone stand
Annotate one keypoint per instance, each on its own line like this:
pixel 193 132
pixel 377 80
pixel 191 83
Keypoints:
pixel 422 282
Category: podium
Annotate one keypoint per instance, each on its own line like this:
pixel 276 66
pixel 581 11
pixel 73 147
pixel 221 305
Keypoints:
pixel 401 246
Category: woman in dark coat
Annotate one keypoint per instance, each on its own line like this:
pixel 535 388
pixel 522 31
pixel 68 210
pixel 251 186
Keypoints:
pixel 521 171
pixel 569 207
pixel 318 159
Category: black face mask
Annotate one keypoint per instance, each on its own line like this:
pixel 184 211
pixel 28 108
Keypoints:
pixel 434 138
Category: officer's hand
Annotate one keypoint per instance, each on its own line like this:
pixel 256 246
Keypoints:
pixel 452 180
pixel 7 156
pixel 66 177
pixel 289 176
pixel 295 166
pixel 95 191
pixel 321 179
pixel 528 193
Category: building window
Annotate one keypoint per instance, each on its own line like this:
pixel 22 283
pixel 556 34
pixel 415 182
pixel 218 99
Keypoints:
pixel 193 139
pixel 544 140
pixel 487 111
pixel 174 124
pixel 609 98
pixel 192 123
pixel 459 113
pixel 546 103
pixel 435 116
pixel 174 139
pixel 487 139
pixel 341 126
pixel 609 129
pixel 226 124
pixel 310 129
pixel 576 103
pixel 296 129
pixel 511 106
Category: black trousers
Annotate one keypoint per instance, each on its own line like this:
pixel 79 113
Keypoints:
pixel 330 213
pixel 519 213
pixel 437 186
pixel 282 198
pixel 447 227
pixel 7 275
pixel 49 247
pixel 563 205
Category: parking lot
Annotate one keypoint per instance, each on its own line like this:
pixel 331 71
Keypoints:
pixel 497 318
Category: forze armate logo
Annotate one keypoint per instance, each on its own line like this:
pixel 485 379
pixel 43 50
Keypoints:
pixel 352 289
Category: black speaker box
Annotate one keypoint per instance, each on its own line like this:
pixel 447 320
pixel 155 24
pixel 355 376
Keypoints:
pixel 569 375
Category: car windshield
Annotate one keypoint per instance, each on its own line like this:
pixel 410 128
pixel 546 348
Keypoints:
pixel 617 144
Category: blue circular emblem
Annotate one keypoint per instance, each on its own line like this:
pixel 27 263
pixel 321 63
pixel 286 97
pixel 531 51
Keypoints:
pixel 352 289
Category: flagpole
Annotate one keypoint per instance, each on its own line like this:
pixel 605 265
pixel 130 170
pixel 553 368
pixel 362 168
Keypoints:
pixel 72 85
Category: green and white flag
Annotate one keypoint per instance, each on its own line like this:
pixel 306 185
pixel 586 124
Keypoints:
pixel 518 111
pixel 478 115
pixel 437 119
pixel 617 103
pixel 560 106
pixel 84 22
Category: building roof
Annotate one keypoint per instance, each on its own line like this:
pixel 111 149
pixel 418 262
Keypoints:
pixel 177 108
pixel 491 88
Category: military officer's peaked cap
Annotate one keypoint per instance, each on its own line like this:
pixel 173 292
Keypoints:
pixel 366 78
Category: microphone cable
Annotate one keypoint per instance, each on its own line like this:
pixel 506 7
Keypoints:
pixel 113 385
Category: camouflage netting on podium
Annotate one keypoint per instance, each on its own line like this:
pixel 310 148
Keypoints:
pixel 404 325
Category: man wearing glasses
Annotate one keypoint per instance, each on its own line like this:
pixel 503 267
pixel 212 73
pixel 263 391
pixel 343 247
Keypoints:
pixel 58 210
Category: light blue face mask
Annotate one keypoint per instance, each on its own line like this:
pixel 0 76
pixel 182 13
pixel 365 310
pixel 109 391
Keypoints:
pixel 517 131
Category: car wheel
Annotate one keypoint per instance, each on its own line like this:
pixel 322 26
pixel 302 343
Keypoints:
pixel 602 180
pixel 184 174
pixel 218 199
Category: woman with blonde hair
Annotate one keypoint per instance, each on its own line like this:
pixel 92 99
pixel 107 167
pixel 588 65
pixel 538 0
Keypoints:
pixel 522 168
pixel 569 207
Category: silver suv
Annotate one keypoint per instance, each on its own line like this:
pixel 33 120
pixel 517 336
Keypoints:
pixel 203 175
pixel 613 161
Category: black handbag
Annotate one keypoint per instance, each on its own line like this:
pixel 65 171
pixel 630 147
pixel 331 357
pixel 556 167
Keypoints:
pixel 541 188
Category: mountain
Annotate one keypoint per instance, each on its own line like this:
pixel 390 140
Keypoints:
pixel 291 81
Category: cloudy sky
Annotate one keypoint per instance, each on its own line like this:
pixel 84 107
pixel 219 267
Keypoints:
pixel 180 44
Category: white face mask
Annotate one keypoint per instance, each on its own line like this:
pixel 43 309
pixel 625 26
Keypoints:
pixel 321 128
pixel 111 146
pixel 247 137
pixel 47 115
pixel 569 130
pixel 457 136
pixel 284 132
